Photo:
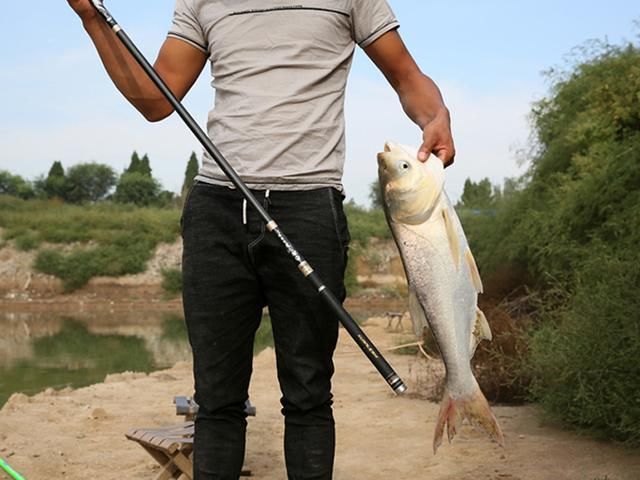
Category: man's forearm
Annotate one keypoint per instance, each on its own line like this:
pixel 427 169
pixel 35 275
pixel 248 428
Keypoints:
pixel 421 99
pixel 125 73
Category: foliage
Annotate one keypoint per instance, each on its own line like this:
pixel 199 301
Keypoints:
pixel 56 170
pixel 134 164
pixel 190 173
pixel 350 277
pixel 145 166
pixel 572 223
pixel 364 223
pixel 137 188
pixel 478 195
pixel 138 165
pixel 78 267
pixel 115 239
pixel 172 281
pixel 585 364
pixel 55 183
pixel 375 195
pixel 15 185
pixel 89 182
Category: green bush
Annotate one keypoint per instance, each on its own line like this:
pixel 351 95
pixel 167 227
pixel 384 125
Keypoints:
pixel 78 267
pixel 585 364
pixel 137 188
pixel 365 224
pixel 573 226
pixel 172 281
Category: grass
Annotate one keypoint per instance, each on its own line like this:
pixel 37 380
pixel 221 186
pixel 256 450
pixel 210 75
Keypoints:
pixel 76 243
pixel 86 241
pixel 30 223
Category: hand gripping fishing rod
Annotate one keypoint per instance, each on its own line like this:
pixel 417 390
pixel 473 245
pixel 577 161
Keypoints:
pixel 369 349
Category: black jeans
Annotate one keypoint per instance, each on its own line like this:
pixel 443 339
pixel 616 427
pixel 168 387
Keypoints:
pixel 232 268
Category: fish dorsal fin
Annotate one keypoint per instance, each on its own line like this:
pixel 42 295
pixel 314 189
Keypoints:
pixel 473 269
pixel 418 317
pixel 452 235
pixel 481 331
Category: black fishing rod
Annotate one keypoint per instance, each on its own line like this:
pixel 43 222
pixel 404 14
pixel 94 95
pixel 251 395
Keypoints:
pixel 369 349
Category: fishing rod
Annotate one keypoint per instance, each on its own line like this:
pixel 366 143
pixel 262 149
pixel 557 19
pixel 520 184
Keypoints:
pixel 10 471
pixel 367 346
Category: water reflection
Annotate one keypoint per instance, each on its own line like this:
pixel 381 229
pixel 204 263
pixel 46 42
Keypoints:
pixel 40 350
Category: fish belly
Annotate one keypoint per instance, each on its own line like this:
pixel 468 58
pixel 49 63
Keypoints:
pixel 448 299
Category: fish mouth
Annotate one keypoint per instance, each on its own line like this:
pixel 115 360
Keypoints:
pixel 382 156
pixel 382 160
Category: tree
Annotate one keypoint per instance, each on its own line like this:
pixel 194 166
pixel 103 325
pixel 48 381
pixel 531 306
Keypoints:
pixel 56 170
pixel 478 195
pixel 55 185
pixel 190 173
pixel 134 164
pixel 375 194
pixel 89 182
pixel 145 166
pixel 15 185
pixel 138 165
pixel 137 188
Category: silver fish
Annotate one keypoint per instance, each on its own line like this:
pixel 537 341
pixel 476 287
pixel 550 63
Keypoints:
pixel 443 280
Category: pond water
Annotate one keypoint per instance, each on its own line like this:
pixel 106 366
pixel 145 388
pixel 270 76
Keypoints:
pixel 40 350
pixel 80 347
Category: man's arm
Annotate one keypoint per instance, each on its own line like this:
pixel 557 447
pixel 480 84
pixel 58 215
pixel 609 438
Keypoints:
pixel 178 64
pixel 420 97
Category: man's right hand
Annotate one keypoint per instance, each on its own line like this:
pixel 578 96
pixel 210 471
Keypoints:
pixel 84 9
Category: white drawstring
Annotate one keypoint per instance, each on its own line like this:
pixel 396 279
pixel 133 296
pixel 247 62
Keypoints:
pixel 244 207
pixel 244 211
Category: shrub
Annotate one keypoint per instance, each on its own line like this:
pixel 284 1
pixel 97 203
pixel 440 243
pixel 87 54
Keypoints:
pixel 364 223
pixel 585 364
pixel 137 188
pixel 78 267
pixel 88 182
pixel 172 281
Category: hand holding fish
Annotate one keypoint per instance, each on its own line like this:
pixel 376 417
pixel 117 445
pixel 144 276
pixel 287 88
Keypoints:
pixel 437 139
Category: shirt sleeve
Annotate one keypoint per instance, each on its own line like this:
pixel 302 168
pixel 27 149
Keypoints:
pixel 186 27
pixel 371 19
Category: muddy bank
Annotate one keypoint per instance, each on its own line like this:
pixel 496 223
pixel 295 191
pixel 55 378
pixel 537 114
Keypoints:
pixel 78 434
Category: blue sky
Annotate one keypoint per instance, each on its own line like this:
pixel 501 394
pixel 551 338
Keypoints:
pixel 486 56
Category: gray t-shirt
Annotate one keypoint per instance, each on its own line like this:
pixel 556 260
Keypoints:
pixel 279 71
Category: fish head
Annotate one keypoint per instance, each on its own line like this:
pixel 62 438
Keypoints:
pixel 411 189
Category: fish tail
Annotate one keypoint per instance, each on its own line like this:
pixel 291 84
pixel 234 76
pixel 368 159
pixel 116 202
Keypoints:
pixel 474 408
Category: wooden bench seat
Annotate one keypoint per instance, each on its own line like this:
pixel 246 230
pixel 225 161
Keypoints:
pixel 172 446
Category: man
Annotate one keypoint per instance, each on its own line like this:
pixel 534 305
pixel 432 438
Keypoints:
pixel 280 70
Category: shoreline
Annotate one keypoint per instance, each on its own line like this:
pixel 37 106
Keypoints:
pixel 75 434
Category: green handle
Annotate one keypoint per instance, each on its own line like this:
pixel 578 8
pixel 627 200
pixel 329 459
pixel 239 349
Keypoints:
pixel 12 473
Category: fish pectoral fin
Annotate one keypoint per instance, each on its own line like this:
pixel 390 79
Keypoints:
pixel 454 243
pixel 473 268
pixel 481 331
pixel 418 317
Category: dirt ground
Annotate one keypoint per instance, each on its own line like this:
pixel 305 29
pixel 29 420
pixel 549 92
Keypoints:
pixel 79 434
